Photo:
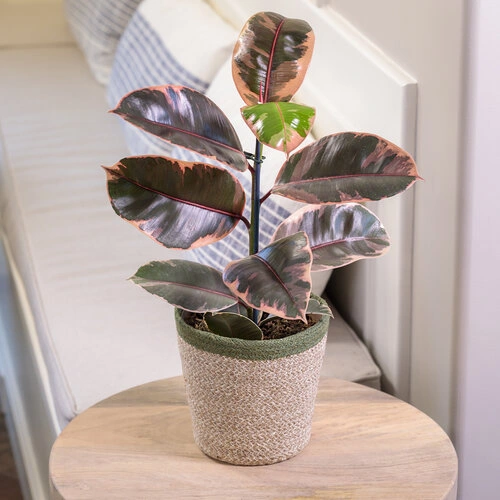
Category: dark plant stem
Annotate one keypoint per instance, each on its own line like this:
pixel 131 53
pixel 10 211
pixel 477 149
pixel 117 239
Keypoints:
pixel 254 220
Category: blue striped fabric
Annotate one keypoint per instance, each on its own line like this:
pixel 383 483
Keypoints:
pixel 97 26
pixel 145 57
pixel 235 245
pixel 142 60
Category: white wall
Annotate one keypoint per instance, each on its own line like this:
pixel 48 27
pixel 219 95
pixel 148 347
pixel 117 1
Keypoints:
pixel 452 48
pixel 21 26
pixel 477 433
pixel 425 38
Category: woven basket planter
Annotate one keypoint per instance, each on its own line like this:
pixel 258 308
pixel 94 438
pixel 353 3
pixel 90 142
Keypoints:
pixel 251 401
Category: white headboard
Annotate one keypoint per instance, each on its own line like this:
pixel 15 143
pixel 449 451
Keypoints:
pixel 355 86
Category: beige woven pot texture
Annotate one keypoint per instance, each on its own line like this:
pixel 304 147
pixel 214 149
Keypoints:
pixel 251 411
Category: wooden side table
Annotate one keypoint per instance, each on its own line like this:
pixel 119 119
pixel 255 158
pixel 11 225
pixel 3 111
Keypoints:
pixel 365 445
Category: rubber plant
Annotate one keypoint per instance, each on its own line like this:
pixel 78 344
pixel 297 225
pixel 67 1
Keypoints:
pixel 184 205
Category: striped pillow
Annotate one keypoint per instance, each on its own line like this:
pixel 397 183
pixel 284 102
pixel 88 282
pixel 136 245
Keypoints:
pixel 168 42
pixel 97 26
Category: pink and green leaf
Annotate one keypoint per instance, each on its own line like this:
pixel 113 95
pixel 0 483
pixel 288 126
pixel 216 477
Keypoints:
pixel 186 118
pixel 316 307
pixel 233 325
pixel 279 125
pixel 276 280
pixel 345 167
pixel 338 234
pixel 179 204
pixel 271 57
pixel 188 285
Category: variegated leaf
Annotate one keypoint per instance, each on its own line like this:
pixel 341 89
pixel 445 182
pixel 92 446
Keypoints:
pixel 233 325
pixel 179 204
pixel 186 118
pixel 276 280
pixel 279 125
pixel 271 57
pixel 338 234
pixel 346 167
pixel 316 307
pixel 188 285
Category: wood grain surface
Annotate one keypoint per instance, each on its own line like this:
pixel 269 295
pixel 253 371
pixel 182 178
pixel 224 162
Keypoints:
pixel 365 445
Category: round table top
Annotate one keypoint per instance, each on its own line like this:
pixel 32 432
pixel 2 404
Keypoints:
pixel 365 444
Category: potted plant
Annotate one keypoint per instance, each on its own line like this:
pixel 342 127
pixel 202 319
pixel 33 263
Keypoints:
pixel 252 337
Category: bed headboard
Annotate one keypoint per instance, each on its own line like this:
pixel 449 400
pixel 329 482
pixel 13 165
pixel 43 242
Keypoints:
pixel 355 86
pixel 350 81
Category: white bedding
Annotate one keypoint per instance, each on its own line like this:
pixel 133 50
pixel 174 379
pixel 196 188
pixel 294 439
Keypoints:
pixel 98 333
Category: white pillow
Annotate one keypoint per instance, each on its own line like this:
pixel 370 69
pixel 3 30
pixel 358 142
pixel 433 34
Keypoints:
pixel 168 42
pixel 97 26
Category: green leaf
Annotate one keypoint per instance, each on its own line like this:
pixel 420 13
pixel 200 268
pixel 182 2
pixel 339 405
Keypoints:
pixel 233 325
pixel 317 307
pixel 188 285
pixel 186 118
pixel 276 280
pixel 279 125
pixel 179 204
pixel 338 234
pixel 346 167
pixel 271 57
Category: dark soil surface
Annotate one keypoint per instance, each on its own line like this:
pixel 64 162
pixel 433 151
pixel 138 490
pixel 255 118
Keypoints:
pixel 278 328
pixel 273 328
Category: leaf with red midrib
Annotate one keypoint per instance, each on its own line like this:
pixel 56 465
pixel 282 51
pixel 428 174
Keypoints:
pixel 185 118
pixel 179 204
pixel 271 57
pixel 338 234
pixel 188 285
pixel 343 167
pixel 276 280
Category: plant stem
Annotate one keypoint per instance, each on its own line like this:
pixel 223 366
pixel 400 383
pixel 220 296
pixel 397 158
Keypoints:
pixel 254 220
pixel 255 216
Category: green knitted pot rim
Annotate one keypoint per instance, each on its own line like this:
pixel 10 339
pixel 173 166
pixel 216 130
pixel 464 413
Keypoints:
pixel 256 350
